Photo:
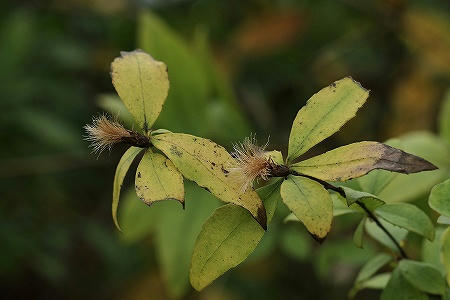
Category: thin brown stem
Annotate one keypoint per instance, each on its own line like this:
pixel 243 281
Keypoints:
pixel 284 171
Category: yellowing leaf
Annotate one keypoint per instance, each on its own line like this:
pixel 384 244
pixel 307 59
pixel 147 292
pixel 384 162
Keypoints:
pixel 121 171
pixel 310 202
pixel 358 159
pixel 142 84
pixel 388 185
pixel 207 163
pixel 227 238
pixel 324 114
pixel 158 179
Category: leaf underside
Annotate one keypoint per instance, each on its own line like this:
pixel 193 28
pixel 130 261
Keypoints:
pixel 357 159
pixel 121 170
pixel 142 83
pixel 207 163
pixel 324 114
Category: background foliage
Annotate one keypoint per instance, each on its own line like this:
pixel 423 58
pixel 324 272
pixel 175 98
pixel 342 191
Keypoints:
pixel 235 67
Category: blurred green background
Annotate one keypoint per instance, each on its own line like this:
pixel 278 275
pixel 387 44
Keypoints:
pixel 235 67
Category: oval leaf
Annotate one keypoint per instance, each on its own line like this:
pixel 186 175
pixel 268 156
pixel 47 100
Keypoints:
pixel 407 216
pixel 445 252
pixel 439 199
pixel 142 83
pixel 423 276
pixel 310 202
pixel 324 114
pixel 206 163
pixel 358 159
pixel 398 288
pixel 157 179
pixel 227 239
pixel 121 170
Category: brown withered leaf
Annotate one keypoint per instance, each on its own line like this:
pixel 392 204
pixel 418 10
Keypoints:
pixel 358 159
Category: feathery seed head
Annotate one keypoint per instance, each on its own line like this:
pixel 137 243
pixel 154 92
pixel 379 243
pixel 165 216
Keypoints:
pixel 252 163
pixel 103 133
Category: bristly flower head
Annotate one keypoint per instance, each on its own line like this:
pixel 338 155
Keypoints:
pixel 252 163
pixel 103 133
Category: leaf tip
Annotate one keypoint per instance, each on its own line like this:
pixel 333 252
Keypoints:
pixel 261 217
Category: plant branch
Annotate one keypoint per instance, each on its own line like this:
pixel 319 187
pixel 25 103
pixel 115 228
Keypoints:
pixel 341 191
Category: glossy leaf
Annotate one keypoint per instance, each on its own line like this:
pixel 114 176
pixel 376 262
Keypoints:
pixel 142 83
pixel 310 202
pixel 157 179
pixel 121 170
pixel 407 216
pixel 358 159
pixel 423 276
pixel 324 114
pixel 398 288
pixel 445 252
pixel 388 185
pixel 439 199
pixel 206 163
pixel 227 238
pixel 359 233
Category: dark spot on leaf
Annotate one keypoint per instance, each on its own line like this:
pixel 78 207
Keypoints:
pixel 224 170
pixel 174 150
pixel 213 163
pixel 139 175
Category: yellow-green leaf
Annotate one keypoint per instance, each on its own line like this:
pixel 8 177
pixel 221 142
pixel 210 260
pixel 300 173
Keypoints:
pixel 310 202
pixel 142 84
pixel 358 159
pixel 121 171
pixel 157 179
pixel 324 114
pixel 207 163
pixel 227 238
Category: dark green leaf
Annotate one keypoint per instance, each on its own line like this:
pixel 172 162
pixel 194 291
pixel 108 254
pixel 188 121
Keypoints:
pixel 423 276
pixel 359 233
pixel 398 288
pixel 407 216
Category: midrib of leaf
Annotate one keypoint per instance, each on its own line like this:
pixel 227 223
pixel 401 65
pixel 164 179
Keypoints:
pixel 142 93
pixel 317 124
pixel 159 180
pixel 306 198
